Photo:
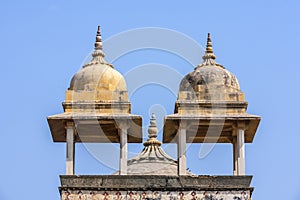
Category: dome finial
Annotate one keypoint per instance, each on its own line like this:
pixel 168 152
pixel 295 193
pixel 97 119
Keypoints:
pixel 209 48
pixel 98 43
pixel 98 55
pixel 209 56
pixel 152 132
pixel 209 53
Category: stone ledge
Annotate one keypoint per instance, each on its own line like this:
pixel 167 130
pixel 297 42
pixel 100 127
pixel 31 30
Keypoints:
pixel 155 182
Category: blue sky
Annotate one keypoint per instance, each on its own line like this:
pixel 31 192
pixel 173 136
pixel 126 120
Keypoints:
pixel 43 43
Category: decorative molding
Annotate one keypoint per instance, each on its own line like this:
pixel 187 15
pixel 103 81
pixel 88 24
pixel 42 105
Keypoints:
pixel 152 195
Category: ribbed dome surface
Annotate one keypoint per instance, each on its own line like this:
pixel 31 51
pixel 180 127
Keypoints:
pixel 152 161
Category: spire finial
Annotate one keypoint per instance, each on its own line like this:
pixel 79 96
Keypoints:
pixel 98 55
pixel 209 56
pixel 209 48
pixel 152 132
pixel 98 43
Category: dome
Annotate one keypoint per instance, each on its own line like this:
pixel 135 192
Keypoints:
pixel 97 81
pixel 98 76
pixel 152 161
pixel 209 75
pixel 204 75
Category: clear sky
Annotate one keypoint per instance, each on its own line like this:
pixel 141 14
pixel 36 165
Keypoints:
pixel 43 43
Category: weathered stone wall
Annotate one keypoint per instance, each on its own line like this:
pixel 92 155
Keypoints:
pixel 135 187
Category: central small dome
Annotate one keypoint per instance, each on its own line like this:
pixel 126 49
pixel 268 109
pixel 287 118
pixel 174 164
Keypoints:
pixel 153 160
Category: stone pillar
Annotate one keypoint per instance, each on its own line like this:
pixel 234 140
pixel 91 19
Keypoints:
pixel 123 126
pixel 70 154
pixel 234 153
pixel 181 148
pixel 239 149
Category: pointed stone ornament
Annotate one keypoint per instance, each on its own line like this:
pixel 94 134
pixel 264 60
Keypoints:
pixel 98 43
pixel 209 56
pixel 152 133
pixel 209 48
pixel 98 54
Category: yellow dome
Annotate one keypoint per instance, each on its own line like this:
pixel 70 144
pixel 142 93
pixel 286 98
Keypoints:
pixel 97 77
pixel 97 81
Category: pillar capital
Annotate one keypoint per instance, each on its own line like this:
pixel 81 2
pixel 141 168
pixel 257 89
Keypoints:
pixel 123 124
pixel 69 124
pixel 183 124
pixel 241 125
